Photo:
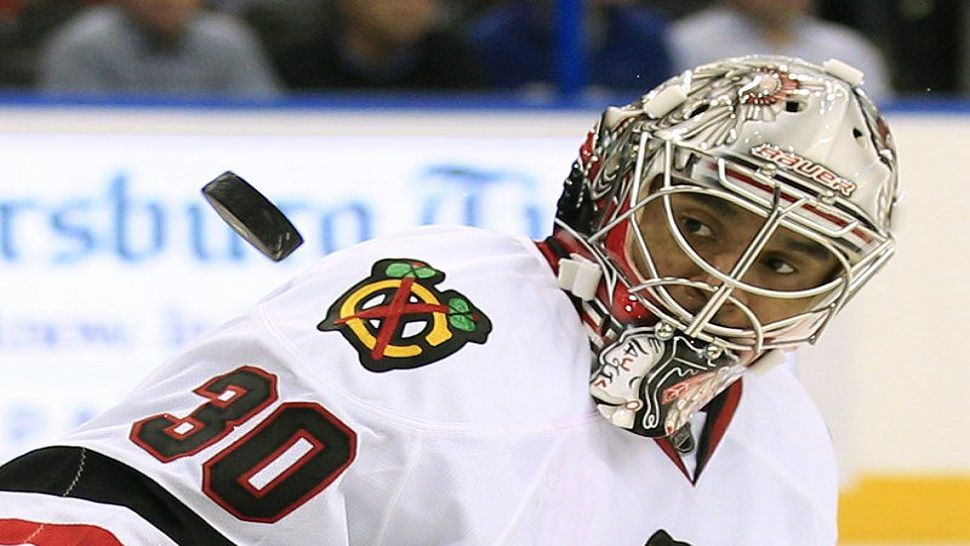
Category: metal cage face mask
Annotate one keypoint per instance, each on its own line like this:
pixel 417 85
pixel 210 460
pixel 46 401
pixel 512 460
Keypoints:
pixel 731 255
pixel 733 210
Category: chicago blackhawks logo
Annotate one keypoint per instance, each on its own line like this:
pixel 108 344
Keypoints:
pixel 396 319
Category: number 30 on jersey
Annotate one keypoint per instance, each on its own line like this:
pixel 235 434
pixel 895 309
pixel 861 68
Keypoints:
pixel 291 456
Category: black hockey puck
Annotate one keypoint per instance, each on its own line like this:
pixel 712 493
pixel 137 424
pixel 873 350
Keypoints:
pixel 252 216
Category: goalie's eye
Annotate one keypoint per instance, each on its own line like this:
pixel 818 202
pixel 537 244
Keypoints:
pixel 697 228
pixel 779 265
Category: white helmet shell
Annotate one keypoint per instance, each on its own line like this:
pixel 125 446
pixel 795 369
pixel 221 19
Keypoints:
pixel 798 108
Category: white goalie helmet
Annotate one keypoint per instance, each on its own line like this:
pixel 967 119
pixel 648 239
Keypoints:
pixel 732 210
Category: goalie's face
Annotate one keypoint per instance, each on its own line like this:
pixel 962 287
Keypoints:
pixel 721 233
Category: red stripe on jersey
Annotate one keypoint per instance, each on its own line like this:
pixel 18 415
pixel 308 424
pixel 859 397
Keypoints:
pixel 672 454
pixel 18 531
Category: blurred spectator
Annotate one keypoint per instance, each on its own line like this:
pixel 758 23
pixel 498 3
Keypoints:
pixel 784 27
pixel 235 7
pixel 922 39
pixel 675 9
pixel 288 31
pixel 24 27
pixel 155 46
pixel 625 44
pixel 363 44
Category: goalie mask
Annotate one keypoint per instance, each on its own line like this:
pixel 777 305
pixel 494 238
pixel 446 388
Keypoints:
pixel 729 213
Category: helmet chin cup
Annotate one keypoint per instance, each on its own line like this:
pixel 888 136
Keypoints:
pixel 653 379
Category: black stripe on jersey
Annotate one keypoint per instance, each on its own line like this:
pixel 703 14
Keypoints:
pixel 84 474
pixel 720 412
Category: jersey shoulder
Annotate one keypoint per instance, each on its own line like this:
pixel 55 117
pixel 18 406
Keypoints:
pixel 779 447
pixel 442 326
pixel 776 407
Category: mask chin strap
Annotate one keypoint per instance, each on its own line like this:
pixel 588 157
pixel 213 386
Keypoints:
pixel 579 276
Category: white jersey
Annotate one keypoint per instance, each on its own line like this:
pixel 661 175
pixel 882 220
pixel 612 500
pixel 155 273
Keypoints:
pixel 429 388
